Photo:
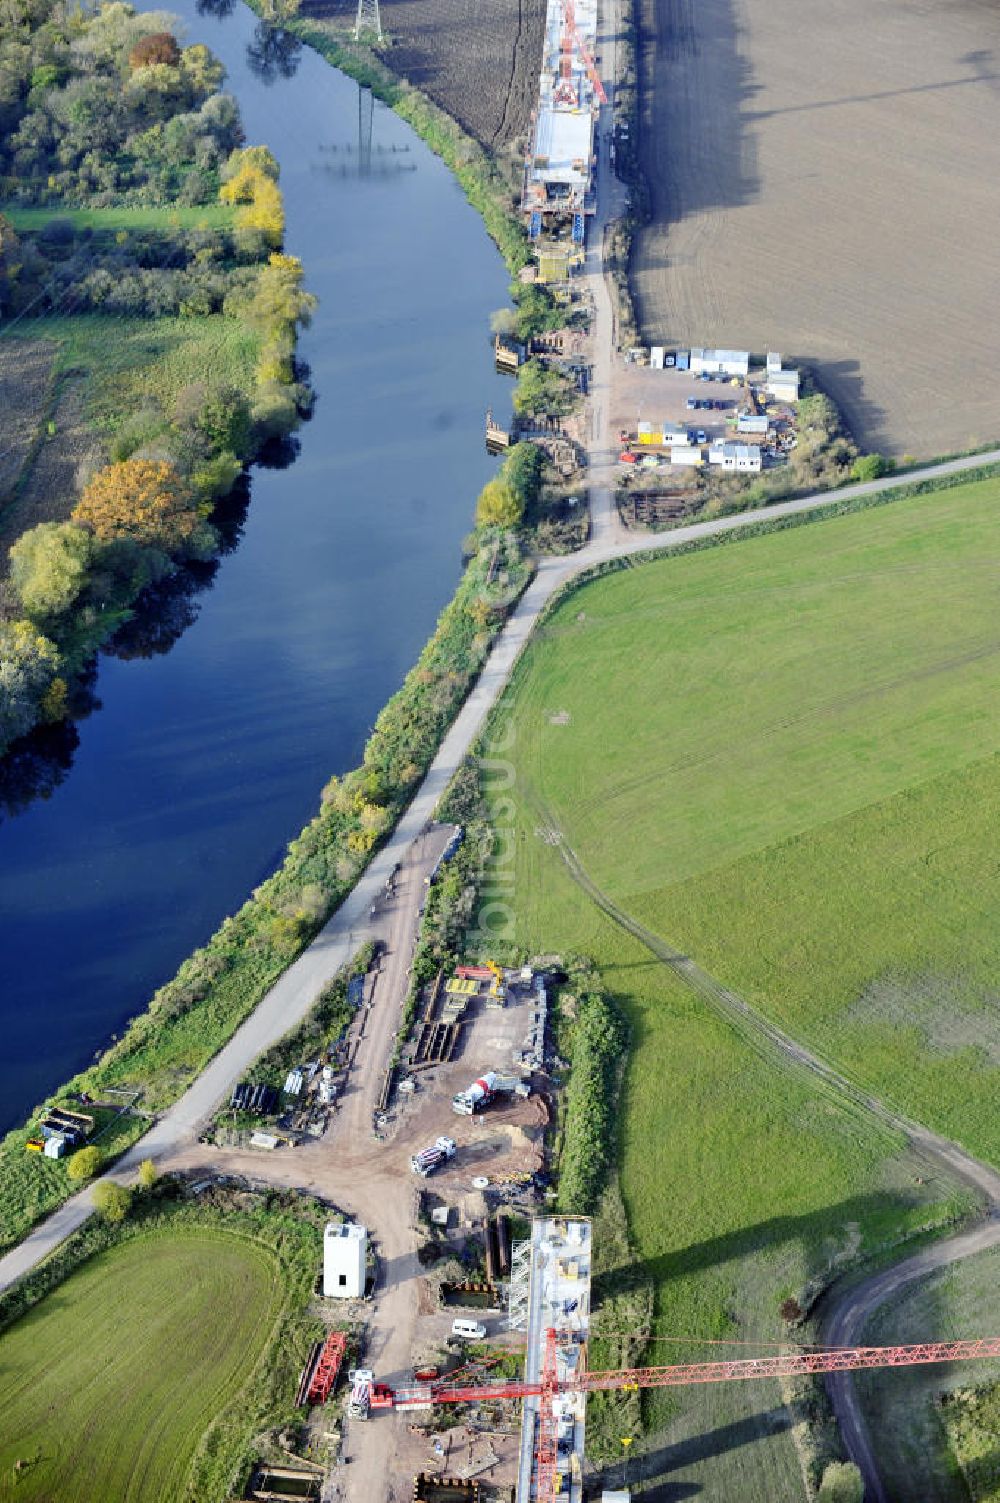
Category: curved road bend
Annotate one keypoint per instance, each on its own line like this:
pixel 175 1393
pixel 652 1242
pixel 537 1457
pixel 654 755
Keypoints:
pixel 850 1314
pixel 849 1310
pixel 292 995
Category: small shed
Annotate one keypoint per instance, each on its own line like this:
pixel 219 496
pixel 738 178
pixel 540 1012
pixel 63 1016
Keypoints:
pixel 686 454
pixel 742 457
pixel 656 357
pixel 783 386
pixel 673 433
pixel 720 362
pixel 345 1248
pixel 683 360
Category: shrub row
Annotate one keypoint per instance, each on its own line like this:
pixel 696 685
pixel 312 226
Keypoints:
pixel 593 1035
pixel 192 1016
pixel 151 506
pixel 822 513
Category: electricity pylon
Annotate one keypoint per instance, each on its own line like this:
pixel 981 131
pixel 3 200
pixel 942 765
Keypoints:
pixel 368 19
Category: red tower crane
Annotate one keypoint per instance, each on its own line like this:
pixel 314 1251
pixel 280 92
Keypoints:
pixel 789 1365
pixel 571 36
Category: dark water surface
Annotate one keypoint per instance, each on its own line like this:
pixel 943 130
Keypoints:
pixel 200 764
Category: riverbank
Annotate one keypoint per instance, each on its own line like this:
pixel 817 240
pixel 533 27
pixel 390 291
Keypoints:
pixel 159 347
pixel 228 700
pixel 190 1018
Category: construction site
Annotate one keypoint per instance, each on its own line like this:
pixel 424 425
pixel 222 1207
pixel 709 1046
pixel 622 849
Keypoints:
pixel 456 1288
pixel 558 191
pixel 459 1304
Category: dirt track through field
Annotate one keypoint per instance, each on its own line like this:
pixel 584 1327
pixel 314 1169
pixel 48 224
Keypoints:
pixel 823 182
pixel 847 1311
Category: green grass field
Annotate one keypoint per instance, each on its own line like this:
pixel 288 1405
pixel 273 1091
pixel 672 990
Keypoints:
pixel 108 1387
pixel 111 220
pixel 917 1436
pixel 783 758
pixel 128 361
pixel 742 1181
pixel 687 724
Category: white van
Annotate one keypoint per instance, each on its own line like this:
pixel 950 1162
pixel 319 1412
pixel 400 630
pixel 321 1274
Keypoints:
pixel 468 1330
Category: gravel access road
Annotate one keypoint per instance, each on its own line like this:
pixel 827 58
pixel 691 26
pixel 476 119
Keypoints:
pixel 172 1139
pixel 847 1311
pixel 291 997
pixel 850 1314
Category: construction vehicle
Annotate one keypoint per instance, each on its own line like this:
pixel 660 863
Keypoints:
pixel 485 1090
pixel 428 1159
pixel 366 1394
pixel 552 1390
pixel 362 1381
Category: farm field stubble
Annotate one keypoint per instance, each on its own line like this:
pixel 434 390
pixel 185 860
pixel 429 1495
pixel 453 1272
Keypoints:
pixel 480 62
pixel 822 182
pixel 689 715
pixel 108 1385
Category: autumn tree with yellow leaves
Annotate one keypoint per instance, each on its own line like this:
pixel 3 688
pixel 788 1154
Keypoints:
pixel 141 501
pixel 252 182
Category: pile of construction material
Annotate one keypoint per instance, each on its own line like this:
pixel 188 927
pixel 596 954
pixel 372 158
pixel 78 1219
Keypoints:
pixel 258 1100
pixel 59 1131
pixel 531 1055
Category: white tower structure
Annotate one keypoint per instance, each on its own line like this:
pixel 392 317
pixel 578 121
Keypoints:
pixel 345 1246
pixel 368 19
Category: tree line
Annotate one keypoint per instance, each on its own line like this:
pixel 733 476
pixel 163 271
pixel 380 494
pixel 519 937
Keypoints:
pixel 101 109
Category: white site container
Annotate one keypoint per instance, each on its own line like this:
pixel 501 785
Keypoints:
pixel 345 1247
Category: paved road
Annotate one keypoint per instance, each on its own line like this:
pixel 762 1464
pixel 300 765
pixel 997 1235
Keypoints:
pixel 368 1179
pixel 290 998
pixel 293 994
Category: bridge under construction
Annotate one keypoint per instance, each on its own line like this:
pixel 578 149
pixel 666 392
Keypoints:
pixel 559 166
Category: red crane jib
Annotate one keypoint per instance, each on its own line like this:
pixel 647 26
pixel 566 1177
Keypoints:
pixel 570 34
pixel 789 1365
pixel 327 1368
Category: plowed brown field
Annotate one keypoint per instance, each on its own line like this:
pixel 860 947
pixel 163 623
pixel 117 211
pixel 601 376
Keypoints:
pixel 477 59
pixel 824 183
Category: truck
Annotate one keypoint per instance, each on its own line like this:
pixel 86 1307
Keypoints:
pixel 366 1394
pixel 428 1159
pixel 362 1381
pixel 486 1089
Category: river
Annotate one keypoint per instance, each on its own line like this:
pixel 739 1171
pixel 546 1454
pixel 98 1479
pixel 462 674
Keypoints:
pixel 200 764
